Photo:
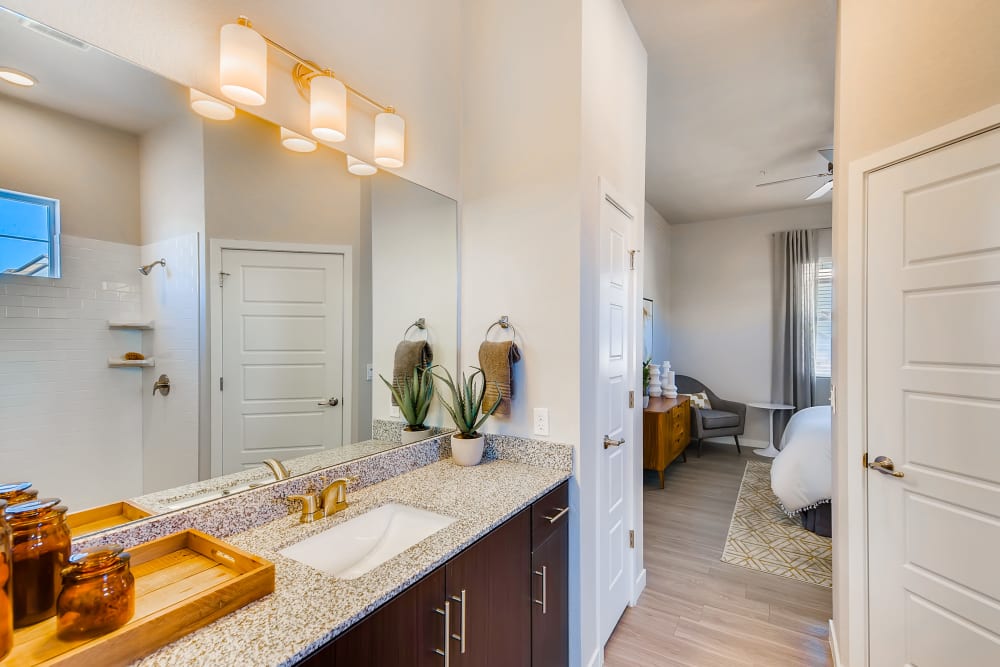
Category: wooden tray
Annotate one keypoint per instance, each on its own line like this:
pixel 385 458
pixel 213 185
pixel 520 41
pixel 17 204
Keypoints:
pixel 183 582
pixel 105 516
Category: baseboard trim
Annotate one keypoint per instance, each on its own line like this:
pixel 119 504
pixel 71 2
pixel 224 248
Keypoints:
pixel 834 649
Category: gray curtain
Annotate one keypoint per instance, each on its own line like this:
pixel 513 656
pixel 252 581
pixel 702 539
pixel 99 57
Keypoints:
pixel 792 374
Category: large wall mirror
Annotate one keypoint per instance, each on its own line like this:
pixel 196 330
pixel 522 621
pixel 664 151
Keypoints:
pixel 188 308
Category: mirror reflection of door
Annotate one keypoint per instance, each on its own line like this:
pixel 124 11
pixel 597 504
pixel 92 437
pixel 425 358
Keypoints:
pixel 282 350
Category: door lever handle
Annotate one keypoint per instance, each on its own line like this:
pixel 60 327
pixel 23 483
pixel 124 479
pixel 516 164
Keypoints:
pixel 333 402
pixel 885 466
pixel 610 442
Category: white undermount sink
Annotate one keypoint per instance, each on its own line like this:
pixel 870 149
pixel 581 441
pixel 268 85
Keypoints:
pixel 350 549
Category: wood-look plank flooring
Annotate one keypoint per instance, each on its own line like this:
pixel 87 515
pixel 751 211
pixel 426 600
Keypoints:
pixel 696 610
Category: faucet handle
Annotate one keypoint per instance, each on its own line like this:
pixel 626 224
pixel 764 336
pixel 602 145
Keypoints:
pixel 310 506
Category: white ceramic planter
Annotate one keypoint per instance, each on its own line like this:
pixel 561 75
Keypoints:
pixel 409 436
pixel 645 402
pixel 467 451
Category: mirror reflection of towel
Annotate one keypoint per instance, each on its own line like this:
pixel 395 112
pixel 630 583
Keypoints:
pixel 410 354
pixel 497 361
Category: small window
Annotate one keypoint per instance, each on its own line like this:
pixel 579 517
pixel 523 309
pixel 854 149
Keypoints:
pixel 823 353
pixel 29 235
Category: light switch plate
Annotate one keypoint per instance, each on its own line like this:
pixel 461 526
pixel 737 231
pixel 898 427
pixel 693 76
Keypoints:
pixel 541 421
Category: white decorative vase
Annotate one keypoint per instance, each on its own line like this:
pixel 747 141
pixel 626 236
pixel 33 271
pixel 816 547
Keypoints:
pixel 654 381
pixel 645 402
pixel 467 451
pixel 667 381
pixel 408 437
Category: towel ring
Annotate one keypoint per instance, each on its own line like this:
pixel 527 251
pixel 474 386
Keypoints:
pixel 503 323
pixel 419 324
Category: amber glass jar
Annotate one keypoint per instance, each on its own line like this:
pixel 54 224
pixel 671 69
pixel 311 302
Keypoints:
pixel 20 492
pixel 98 593
pixel 6 608
pixel 40 545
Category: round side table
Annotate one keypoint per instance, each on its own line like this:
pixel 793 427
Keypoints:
pixel 770 451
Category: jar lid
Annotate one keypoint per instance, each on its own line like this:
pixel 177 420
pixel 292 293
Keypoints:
pixel 32 507
pixel 96 560
pixel 15 489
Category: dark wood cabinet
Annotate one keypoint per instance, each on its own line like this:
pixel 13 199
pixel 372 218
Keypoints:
pixel 490 597
pixel 550 580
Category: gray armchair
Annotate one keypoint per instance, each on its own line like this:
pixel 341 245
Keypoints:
pixel 725 417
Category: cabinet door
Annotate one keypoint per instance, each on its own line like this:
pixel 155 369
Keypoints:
pixel 550 601
pixel 490 597
pixel 406 631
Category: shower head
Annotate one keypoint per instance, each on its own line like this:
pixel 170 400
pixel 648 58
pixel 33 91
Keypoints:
pixel 144 270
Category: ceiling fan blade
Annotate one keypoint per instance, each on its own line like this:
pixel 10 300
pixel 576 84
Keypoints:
pixel 797 178
pixel 821 190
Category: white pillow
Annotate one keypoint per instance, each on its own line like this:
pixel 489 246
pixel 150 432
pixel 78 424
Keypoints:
pixel 700 401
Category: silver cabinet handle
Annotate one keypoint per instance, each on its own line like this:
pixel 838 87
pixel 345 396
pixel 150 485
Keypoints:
pixel 545 597
pixel 561 511
pixel 609 442
pixel 332 403
pixel 461 637
pixel 446 612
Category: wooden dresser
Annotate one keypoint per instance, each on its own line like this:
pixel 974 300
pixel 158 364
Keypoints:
pixel 666 432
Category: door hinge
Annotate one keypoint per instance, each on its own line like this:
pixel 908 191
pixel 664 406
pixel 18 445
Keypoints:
pixel 222 277
pixel 631 399
pixel 631 539
pixel 864 460
pixel 220 384
pixel 631 259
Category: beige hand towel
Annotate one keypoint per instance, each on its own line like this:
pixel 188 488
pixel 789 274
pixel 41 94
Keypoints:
pixel 410 354
pixel 497 361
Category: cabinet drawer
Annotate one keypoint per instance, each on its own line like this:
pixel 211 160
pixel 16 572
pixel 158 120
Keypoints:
pixel 548 513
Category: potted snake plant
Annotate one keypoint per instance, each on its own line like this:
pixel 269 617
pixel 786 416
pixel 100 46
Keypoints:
pixel 467 411
pixel 413 395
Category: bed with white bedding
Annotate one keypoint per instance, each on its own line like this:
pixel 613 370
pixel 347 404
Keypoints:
pixel 802 472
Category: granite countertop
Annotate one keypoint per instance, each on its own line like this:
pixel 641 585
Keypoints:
pixel 309 608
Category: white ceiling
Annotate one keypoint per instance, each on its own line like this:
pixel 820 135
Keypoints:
pixel 735 86
pixel 86 82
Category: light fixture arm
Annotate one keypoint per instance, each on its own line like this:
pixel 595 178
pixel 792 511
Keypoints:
pixel 306 69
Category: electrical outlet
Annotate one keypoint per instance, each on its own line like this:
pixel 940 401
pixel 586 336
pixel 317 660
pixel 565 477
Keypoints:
pixel 541 421
pixel 369 372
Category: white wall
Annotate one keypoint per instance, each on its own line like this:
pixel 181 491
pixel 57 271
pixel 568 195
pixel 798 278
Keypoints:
pixel 68 422
pixel 93 170
pixel 721 303
pixel 890 87
pixel 400 52
pixel 414 275
pixel 656 279
pixel 172 180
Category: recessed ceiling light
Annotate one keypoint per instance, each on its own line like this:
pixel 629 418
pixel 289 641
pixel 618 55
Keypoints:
pixel 16 77
pixel 294 141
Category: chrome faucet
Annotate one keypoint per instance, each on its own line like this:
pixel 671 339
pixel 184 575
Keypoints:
pixel 327 502
pixel 279 471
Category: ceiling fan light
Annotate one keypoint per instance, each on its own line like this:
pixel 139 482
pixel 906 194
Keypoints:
pixel 295 142
pixel 390 139
pixel 327 108
pixel 205 105
pixel 242 64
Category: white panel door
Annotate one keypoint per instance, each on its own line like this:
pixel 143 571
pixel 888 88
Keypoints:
pixel 934 407
pixel 616 322
pixel 282 349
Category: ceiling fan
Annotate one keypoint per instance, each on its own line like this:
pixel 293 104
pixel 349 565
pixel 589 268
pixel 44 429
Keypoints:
pixel 827 154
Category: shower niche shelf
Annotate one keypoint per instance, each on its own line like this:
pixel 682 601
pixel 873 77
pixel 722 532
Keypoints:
pixel 131 363
pixel 133 325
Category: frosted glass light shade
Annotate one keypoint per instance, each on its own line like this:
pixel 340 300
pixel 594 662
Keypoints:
pixel 205 105
pixel 390 135
pixel 242 64
pixel 360 167
pixel 294 141
pixel 327 108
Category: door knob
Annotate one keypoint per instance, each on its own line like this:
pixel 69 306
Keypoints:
pixel 609 442
pixel 885 466
pixel 333 402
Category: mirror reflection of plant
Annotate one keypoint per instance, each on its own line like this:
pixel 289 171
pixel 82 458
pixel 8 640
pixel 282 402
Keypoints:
pixel 413 396
pixel 466 402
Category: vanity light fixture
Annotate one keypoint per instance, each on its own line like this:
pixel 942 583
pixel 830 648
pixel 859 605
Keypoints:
pixel 243 79
pixel 243 63
pixel 294 141
pixel 360 167
pixel 205 105
pixel 17 77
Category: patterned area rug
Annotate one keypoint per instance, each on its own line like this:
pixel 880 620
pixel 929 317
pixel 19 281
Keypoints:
pixel 761 537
